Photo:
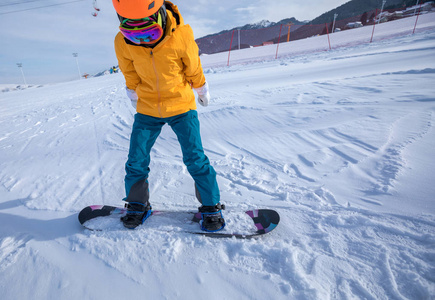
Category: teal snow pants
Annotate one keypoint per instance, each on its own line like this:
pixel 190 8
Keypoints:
pixel 145 131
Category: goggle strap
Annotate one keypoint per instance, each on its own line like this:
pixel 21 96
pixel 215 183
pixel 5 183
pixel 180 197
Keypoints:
pixel 147 19
pixel 159 19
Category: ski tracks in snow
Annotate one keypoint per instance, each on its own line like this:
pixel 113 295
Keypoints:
pixel 291 147
pixel 86 132
pixel 330 155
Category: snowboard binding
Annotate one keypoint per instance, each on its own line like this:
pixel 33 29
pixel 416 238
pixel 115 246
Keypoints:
pixel 212 219
pixel 136 214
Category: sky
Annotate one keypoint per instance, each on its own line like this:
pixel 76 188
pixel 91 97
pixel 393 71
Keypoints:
pixel 42 35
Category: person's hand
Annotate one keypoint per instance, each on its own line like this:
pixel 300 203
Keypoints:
pixel 203 94
pixel 133 96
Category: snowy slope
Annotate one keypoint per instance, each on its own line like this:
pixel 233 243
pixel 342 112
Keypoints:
pixel 341 143
pixel 336 40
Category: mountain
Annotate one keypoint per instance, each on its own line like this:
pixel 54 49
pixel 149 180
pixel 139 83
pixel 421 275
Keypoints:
pixel 250 35
pixel 265 32
pixel 259 25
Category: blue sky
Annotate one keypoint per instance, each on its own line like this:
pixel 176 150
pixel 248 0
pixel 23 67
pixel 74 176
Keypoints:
pixel 43 39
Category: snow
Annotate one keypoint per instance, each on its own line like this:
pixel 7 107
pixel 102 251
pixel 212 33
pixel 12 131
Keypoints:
pixel 340 143
pixel 337 40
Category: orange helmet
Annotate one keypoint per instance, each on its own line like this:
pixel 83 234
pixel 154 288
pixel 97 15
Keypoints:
pixel 137 9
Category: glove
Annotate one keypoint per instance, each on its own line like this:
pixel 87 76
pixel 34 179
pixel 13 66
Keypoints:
pixel 203 94
pixel 133 96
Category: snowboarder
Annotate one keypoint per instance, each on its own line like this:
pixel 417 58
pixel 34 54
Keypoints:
pixel 159 58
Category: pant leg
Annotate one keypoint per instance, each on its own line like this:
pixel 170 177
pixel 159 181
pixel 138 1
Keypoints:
pixel 186 127
pixel 145 131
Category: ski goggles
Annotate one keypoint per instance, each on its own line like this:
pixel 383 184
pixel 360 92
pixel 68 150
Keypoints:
pixel 146 31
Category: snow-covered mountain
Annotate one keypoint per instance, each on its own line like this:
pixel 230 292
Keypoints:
pixel 266 24
pixel 339 142
pixel 258 25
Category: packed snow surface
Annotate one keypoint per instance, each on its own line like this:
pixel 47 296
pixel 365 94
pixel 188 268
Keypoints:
pixel 341 143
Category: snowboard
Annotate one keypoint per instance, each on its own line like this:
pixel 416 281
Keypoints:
pixel 263 220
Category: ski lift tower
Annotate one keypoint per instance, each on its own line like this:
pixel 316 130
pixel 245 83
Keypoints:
pixel 382 9
pixel 415 10
pixel 77 61
pixel 333 24
pixel 20 65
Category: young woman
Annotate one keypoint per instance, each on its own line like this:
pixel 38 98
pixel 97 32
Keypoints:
pixel 160 61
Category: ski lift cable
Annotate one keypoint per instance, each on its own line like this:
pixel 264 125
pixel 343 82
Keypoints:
pixel 18 3
pixel 21 10
pixel 96 5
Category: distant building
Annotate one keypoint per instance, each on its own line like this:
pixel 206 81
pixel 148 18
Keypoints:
pixel 423 8
pixel 264 44
pixel 353 25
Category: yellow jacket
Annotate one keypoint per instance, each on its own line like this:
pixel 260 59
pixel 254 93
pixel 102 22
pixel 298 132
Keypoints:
pixel 163 77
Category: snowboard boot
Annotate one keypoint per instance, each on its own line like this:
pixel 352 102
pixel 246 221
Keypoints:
pixel 212 219
pixel 137 213
pixel 138 206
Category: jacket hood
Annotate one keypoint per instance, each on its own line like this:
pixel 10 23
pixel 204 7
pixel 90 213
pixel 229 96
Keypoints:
pixel 174 16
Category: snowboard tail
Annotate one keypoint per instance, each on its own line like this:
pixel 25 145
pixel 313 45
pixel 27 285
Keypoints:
pixel 95 211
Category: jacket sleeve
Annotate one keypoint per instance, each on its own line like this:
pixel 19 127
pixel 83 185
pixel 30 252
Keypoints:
pixel 126 65
pixel 192 62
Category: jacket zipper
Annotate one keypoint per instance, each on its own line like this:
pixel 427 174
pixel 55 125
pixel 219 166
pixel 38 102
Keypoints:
pixel 159 101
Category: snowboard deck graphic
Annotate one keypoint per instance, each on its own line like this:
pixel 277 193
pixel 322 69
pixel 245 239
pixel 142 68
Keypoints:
pixel 264 220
